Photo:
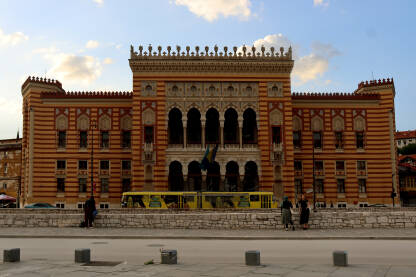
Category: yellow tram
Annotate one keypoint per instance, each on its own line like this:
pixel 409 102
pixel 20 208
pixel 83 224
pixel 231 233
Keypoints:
pixel 199 200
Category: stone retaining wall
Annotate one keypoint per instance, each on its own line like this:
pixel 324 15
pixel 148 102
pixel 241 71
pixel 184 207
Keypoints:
pixel 226 219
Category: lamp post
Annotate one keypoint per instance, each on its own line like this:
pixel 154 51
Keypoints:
pixel 93 125
pixel 313 176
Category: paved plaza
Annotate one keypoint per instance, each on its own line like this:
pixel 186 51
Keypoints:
pixel 123 252
pixel 143 233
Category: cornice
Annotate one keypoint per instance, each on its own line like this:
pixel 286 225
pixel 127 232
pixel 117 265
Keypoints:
pixel 246 60
pixel 210 66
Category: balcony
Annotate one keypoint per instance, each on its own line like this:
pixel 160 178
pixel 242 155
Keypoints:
pixel 298 173
pixel 60 172
pixel 276 154
pixel 82 172
pixel 104 172
pixel 339 172
pixel 125 172
pixel 361 172
pixel 148 152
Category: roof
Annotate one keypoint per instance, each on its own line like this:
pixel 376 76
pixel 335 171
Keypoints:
pixel 405 134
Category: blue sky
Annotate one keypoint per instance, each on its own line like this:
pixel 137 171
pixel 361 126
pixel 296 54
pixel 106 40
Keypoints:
pixel 85 43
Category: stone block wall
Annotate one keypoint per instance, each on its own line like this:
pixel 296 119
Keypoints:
pixel 224 219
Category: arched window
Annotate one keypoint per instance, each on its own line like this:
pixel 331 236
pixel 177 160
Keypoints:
pixel 175 179
pixel 212 126
pixel 194 176
pixel 213 177
pixel 232 176
pixel 249 127
pixel 231 127
pixel 175 127
pixel 194 127
pixel 251 177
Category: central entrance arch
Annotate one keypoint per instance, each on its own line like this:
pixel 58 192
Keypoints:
pixel 213 177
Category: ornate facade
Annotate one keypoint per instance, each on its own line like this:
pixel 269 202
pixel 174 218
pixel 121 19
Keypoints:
pixel 186 101
pixel 10 166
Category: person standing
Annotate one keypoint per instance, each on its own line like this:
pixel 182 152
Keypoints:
pixel 286 213
pixel 304 212
pixel 89 208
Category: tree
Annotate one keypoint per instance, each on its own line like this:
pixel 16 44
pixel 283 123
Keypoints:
pixel 408 149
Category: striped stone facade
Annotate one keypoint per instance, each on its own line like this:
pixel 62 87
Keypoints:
pixel 155 136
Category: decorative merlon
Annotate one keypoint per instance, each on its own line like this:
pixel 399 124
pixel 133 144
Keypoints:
pixel 236 53
pixel 379 82
pixel 41 81
pixel 335 95
pixel 87 94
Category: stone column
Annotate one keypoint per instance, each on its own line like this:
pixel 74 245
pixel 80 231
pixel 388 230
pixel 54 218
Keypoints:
pixel 203 134
pixel 240 125
pixel 222 133
pixel 184 133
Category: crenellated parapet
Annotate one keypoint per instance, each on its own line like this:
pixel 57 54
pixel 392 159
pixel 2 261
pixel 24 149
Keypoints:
pixel 45 84
pixel 215 53
pixel 233 60
pixel 41 80
pixel 88 94
pixel 379 82
pixel 375 85
pixel 334 95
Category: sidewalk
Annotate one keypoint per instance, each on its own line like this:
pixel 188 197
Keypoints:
pixel 66 269
pixel 138 233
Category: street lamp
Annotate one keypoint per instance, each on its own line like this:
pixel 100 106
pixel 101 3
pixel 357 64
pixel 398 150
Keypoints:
pixel 313 176
pixel 93 125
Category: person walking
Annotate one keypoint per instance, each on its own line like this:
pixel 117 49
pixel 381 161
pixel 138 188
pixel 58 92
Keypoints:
pixel 304 212
pixel 286 213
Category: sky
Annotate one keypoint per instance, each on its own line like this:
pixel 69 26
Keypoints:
pixel 85 44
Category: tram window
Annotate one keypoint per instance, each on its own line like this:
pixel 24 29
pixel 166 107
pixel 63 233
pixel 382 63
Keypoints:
pixel 189 199
pixel 254 198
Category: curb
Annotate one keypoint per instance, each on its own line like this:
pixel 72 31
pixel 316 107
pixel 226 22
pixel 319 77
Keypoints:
pixel 208 237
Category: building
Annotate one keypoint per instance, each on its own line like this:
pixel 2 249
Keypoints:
pixel 10 166
pixel 154 137
pixel 407 180
pixel 404 138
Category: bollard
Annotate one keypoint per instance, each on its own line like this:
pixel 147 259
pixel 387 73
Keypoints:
pixel 253 257
pixel 340 258
pixel 11 255
pixel 82 255
pixel 169 257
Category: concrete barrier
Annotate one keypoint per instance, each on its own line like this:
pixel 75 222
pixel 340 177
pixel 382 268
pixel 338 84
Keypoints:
pixel 252 257
pixel 340 258
pixel 169 257
pixel 11 255
pixel 82 255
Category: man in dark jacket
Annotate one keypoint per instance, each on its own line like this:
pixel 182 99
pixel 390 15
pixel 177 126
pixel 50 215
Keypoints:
pixel 89 209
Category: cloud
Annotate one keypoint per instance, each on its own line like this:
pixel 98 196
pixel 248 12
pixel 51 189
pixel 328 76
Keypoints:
pixel 307 67
pixel 310 67
pixel 12 39
pixel 322 3
pixel 92 44
pixel 118 46
pixel 99 2
pixel 212 9
pixel 72 68
pixel 12 110
pixel 108 61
